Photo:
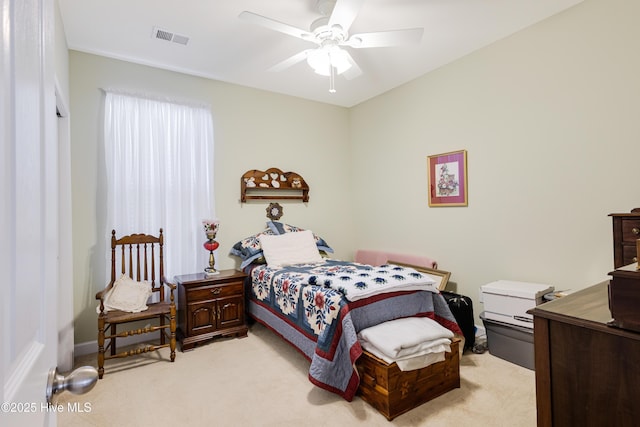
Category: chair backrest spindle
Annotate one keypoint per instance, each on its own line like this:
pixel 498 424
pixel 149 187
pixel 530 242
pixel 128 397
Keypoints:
pixel 113 256
pixel 137 262
pixel 161 258
pixel 146 270
pixel 153 266
pixel 123 259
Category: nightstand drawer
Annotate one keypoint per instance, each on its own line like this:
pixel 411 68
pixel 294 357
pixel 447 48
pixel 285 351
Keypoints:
pixel 210 292
pixel 630 230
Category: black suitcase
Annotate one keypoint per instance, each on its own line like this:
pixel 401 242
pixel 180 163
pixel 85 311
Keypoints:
pixel 462 309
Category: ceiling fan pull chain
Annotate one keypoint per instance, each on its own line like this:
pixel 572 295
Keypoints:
pixel 332 75
pixel 332 80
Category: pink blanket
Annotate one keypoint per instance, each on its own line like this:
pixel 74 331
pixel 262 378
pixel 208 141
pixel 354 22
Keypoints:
pixel 376 258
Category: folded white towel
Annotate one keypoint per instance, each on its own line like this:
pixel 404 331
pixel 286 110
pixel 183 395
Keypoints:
pixel 423 348
pixel 428 356
pixel 420 362
pixel 404 337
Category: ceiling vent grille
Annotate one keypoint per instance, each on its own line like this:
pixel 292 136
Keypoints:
pixel 159 33
pixel 177 38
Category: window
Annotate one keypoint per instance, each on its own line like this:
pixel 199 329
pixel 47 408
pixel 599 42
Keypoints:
pixel 159 164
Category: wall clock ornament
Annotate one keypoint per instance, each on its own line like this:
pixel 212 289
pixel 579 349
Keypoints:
pixel 274 211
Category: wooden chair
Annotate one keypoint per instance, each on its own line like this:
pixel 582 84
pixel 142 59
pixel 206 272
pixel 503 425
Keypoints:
pixel 139 257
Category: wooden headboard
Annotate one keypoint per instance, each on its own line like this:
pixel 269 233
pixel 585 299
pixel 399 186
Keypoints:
pixel 273 184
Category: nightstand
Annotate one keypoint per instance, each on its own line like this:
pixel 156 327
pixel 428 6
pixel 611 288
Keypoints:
pixel 210 307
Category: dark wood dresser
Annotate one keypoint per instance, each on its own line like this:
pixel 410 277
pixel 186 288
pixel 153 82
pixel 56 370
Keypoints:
pixel 209 307
pixel 587 373
pixel 626 231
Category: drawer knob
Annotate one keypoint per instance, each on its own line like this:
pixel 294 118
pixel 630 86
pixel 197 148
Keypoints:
pixel 635 230
pixel 216 291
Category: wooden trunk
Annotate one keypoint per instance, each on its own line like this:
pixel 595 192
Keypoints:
pixel 393 392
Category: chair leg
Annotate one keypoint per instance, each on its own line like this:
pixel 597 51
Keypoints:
pixel 100 346
pixel 112 341
pixel 172 328
pixel 162 330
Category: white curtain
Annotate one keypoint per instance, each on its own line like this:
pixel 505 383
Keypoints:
pixel 159 163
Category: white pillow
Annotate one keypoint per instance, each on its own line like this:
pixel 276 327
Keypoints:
pixel 290 248
pixel 128 295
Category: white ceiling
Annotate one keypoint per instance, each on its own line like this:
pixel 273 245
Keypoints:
pixel 223 47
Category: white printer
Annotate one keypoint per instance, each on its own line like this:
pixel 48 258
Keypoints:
pixel 507 301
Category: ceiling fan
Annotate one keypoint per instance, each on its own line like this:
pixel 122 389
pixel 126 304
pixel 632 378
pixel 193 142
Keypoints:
pixel 330 34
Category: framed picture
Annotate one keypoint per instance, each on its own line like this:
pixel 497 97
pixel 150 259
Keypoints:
pixel 440 276
pixel 447 176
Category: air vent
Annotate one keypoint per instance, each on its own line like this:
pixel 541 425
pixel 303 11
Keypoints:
pixel 177 38
pixel 159 33
pixel 163 35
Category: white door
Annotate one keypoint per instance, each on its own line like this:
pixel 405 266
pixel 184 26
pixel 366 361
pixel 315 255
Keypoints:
pixel 28 216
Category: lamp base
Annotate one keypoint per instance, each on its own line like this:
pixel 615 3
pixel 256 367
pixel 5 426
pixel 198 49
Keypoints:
pixel 210 272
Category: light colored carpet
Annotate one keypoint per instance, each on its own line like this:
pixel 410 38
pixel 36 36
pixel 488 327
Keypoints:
pixel 262 381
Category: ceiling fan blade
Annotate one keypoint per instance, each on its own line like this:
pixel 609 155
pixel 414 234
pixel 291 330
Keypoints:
pixel 385 38
pixel 276 25
pixel 354 71
pixel 291 61
pixel 344 13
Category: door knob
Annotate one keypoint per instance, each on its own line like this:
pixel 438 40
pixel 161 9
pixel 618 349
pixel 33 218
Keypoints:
pixel 79 381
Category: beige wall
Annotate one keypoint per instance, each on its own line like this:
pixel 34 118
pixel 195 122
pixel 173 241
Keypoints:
pixel 549 117
pixel 252 130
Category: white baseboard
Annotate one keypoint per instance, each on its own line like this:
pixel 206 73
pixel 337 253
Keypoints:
pixel 85 348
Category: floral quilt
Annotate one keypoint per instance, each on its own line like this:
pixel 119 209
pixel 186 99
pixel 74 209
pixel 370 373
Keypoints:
pixel 323 324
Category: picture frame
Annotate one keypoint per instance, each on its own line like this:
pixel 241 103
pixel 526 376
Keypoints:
pixel 447 179
pixel 440 276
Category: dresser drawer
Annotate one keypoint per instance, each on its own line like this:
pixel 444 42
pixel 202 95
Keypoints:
pixel 209 292
pixel 630 230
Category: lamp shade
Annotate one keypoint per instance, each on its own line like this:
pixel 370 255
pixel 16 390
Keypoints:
pixel 322 59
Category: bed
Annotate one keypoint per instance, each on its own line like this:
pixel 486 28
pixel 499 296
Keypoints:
pixel 320 305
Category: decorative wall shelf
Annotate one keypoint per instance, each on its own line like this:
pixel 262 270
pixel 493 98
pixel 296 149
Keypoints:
pixel 273 184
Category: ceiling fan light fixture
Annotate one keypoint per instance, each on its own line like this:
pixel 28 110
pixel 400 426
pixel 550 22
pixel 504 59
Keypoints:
pixel 327 57
pixel 330 33
pixel 355 41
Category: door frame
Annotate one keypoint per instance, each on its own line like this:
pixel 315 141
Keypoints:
pixel 66 332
